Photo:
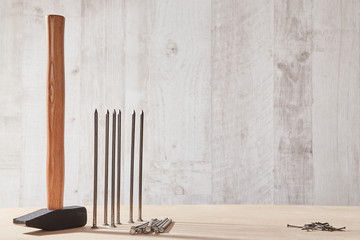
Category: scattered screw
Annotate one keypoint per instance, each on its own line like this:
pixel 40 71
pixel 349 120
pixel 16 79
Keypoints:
pixel 317 226
pixel 293 226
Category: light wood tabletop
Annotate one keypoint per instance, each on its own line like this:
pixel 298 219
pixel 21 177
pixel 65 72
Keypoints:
pixel 206 222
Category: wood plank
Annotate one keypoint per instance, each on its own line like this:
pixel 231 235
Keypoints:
pixel 102 84
pixel 11 17
pixel 168 75
pixel 33 80
pixel 336 109
pixel 242 96
pixel 228 98
pixel 292 102
pixel 208 222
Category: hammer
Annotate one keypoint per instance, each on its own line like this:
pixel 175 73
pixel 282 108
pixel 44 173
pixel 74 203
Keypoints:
pixel 55 216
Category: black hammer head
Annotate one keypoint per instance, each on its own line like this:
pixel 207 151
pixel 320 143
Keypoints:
pixel 51 220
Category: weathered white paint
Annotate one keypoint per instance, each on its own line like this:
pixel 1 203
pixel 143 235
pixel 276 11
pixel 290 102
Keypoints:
pixel 242 96
pixel 223 84
pixel 293 102
pixel 336 102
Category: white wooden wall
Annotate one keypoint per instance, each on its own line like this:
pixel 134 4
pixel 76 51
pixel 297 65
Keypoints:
pixel 245 101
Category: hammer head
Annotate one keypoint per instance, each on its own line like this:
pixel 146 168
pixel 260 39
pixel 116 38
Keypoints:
pixel 51 220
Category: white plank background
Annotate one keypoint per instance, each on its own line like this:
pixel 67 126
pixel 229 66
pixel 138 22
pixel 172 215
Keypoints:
pixel 292 102
pixel 242 102
pixel 245 101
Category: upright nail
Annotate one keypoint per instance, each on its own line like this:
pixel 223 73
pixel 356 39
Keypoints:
pixel 95 167
pixel 141 164
pixel 132 167
pixel 113 170
pixel 118 170
pixel 106 167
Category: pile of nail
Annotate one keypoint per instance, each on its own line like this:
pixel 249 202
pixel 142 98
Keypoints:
pixel 154 225
pixel 317 226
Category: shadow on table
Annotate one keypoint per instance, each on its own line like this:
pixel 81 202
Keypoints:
pixel 124 230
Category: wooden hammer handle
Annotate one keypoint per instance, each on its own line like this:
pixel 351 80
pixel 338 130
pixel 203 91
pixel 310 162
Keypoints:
pixel 55 111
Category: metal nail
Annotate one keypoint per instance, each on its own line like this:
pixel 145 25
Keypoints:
pixel 294 226
pixel 156 228
pixel 157 223
pixel 132 167
pixel 95 167
pixel 138 228
pixel 132 231
pixel 118 169
pixel 149 226
pixel 141 225
pixel 113 170
pixel 106 167
pixel 141 164
pixel 164 226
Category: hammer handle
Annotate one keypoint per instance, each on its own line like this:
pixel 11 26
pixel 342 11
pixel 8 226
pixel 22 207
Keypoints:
pixel 55 111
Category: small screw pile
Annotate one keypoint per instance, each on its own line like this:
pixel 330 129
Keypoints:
pixel 317 226
pixel 155 225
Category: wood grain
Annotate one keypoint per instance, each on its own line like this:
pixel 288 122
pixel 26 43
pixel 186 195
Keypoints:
pixel 293 34
pixel 11 148
pixel 208 222
pixel 55 90
pixel 245 101
pixel 242 96
pixel 102 84
pixel 168 76
pixel 336 108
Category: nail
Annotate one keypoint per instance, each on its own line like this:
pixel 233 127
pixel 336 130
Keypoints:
pixel 135 229
pixel 132 167
pixel 95 167
pixel 149 226
pixel 106 167
pixel 163 227
pixel 156 223
pixel 156 228
pixel 159 222
pixel 118 169
pixel 293 226
pixel 113 170
pixel 141 225
pixel 141 164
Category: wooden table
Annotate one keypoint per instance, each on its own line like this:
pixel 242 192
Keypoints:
pixel 206 222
